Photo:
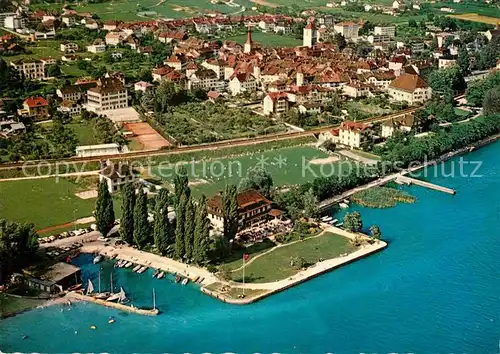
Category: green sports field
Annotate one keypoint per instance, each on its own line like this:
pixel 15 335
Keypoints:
pixel 45 202
pixel 288 166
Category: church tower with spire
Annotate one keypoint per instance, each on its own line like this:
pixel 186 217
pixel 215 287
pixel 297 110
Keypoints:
pixel 247 48
pixel 308 37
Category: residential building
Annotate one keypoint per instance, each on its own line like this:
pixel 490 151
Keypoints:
pixel 242 82
pixel 168 37
pixel 109 94
pixel 389 31
pixel 69 47
pixel 116 175
pixel 10 127
pixel 446 63
pixel 97 47
pixel 70 107
pixel 356 90
pixel 143 86
pixel 253 208
pixel 113 38
pixel 35 107
pixel 410 88
pixel 404 123
pixel 70 93
pixel 13 22
pixel 69 20
pixel 348 29
pixel 175 62
pixel 275 103
pixel 206 80
pixel 31 68
pixel 353 134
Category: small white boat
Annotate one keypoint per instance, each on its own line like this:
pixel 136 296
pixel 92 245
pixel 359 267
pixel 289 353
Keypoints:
pixel 136 268
pixel 339 224
pixel 128 264
pixel 113 297
pixel 161 275
pixel 343 205
pixel 90 287
pixel 346 201
pixel 97 259
pixel 142 270
pixel 326 218
pixel 185 281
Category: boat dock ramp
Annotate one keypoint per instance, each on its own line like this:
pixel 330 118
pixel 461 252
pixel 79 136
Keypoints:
pixel 117 306
pixel 409 181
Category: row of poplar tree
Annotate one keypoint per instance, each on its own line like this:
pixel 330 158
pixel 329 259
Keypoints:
pixel 187 238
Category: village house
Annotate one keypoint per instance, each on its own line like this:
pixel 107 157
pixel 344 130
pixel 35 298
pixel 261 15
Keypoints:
pixel 69 47
pixel 389 31
pixel 275 103
pixel 353 134
pixel 114 38
pixel 97 47
pixel 168 37
pixel 68 20
pixel 168 74
pixel 110 25
pixel 356 90
pixel 206 80
pixel 90 23
pixel 109 94
pixel 116 176
pixel 31 68
pixel 175 62
pixel 143 86
pixel 70 107
pixel 253 208
pixel 35 107
pixel 242 82
pixel 404 123
pixel 410 88
pixel 57 278
pixel 69 93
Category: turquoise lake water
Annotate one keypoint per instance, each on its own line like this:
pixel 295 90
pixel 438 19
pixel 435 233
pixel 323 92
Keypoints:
pixel 435 289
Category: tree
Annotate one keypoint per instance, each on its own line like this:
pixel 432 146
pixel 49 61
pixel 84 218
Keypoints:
pixel 340 41
pixel 447 81
pixel 161 228
pixel 189 230
pixel 127 220
pixel 375 232
pixel 412 23
pixel 230 211
pixel 491 103
pixel 463 60
pixel 297 262
pixel 181 182
pixel 259 179
pixel 142 228
pixel 201 232
pixel 353 222
pixel 104 213
pixel 54 70
pixel 310 201
pixel 180 219
pixel 18 245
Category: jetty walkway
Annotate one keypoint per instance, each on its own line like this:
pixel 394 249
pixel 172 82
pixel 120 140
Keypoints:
pixel 409 181
pixel 117 306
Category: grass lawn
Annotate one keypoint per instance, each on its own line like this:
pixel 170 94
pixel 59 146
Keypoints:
pixel 84 133
pixel 234 293
pixel 365 154
pixel 10 304
pixel 45 202
pixel 276 264
pixel 369 108
pixel 209 177
pixel 268 39
pixel 461 112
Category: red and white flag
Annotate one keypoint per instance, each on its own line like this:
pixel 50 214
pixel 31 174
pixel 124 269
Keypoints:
pixel 245 257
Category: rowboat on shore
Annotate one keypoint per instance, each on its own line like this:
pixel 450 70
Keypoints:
pixel 142 270
pixel 343 205
pixel 136 268
pixel 128 264
pixel 161 275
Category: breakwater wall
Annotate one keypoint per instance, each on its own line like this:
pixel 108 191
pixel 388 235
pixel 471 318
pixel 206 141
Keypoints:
pixel 117 306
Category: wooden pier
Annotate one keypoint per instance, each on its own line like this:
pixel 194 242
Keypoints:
pixel 117 306
pixel 409 181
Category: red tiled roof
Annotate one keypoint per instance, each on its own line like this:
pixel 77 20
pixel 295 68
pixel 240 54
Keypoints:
pixel 408 82
pixel 36 102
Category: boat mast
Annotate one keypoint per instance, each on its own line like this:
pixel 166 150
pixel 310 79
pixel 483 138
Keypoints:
pixel 154 299
pixel 111 275
pixel 99 281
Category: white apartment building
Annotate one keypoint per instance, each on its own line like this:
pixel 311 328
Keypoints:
pixel 353 134
pixel 31 69
pixel 240 83
pixel 385 31
pixel 348 29
pixel 109 94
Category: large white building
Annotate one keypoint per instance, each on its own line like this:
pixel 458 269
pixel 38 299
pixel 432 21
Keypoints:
pixel 348 29
pixel 389 31
pixel 31 68
pixel 243 82
pixel 409 88
pixel 353 134
pixel 109 94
